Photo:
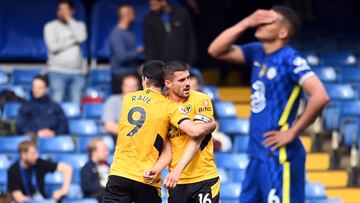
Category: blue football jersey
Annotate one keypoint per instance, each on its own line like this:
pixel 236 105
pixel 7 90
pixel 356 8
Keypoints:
pixel 275 93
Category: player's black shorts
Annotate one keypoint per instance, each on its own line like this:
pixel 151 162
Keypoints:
pixel 207 191
pixel 123 190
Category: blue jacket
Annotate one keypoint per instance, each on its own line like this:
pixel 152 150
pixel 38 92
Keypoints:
pixel 90 179
pixel 41 113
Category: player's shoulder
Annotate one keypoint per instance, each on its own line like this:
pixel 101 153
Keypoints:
pixel 199 95
pixel 293 56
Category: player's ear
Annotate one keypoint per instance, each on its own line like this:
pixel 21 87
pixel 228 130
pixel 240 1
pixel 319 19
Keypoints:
pixel 167 83
pixel 284 33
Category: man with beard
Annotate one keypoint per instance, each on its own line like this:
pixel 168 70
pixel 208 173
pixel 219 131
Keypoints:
pixel 193 174
pixel 26 176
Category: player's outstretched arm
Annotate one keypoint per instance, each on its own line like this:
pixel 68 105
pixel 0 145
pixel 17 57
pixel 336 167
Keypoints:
pixel 318 98
pixel 223 46
pixel 161 163
pixel 197 129
pixel 173 177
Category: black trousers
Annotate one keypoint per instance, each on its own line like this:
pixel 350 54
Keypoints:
pixel 123 190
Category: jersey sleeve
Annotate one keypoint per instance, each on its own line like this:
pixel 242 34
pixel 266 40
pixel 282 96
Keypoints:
pixel 249 50
pixel 299 69
pixel 177 114
pixel 204 110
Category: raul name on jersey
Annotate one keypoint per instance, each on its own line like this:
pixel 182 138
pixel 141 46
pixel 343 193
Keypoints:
pixel 142 98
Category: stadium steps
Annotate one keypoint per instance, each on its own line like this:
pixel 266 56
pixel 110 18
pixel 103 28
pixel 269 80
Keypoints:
pixel 307 142
pixel 243 110
pixel 235 94
pixel 330 179
pixel 347 195
pixel 317 161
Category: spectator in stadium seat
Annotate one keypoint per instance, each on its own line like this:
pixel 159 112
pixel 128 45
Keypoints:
pixel 41 116
pixel 123 51
pixel 66 65
pixel 95 173
pixel 26 176
pixel 169 34
pixel 112 108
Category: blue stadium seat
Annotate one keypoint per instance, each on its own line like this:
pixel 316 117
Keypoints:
pixel 10 111
pixel 350 75
pixel 324 201
pixel 237 175
pixel 320 44
pixel 57 144
pixel 212 91
pixel 9 144
pixel 4 79
pixel 76 176
pixel 350 44
pixel 230 192
pixel 93 111
pixel 327 74
pixel 53 181
pixel 315 191
pixel 4 162
pixel 95 92
pixel 77 161
pixel 224 177
pixel 83 127
pixel 71 110
pixel 40 201
pixel 231 161
pixel 338 59
pixel 22 27
pixel 89 200
pixel 312 58
pixel 225 110
pixel 83 142
pixel 24 77
pixel 241 143
pixel 100 77
pixel 3 181
pixel 332 116
pixel 340 92
pixel 234 126
pixel 350 122
pixel 104 16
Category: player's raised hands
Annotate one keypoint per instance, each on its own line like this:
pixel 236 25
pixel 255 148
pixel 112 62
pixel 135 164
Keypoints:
pixel 260 17
pixel 277 139
pixel 171 179
pixel 150 175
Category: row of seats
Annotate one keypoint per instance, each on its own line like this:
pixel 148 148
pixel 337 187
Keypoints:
pixel 317 43
pixel 338 58
pixel 71 110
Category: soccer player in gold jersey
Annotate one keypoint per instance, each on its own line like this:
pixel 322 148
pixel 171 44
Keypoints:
pixel 193 174
pixel 145 121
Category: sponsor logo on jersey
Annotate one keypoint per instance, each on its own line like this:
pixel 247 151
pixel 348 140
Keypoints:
pixel 205 108
pixel 271 73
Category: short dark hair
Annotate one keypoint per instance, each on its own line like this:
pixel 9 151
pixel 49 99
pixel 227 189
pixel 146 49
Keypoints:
pixel 25 145
pixel 42 78
pixel 290 16
pixel 172 67
pixel 154 71
pixel 68 2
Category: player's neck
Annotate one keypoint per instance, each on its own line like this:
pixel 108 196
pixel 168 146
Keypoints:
pixel 271 47
pixel 175 98
pixel 156 89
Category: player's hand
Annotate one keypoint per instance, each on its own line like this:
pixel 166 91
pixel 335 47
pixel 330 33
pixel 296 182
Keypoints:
pixel 260 17
pixel 57 195
pixel 171 180
pixel 277 139
pixel 150 175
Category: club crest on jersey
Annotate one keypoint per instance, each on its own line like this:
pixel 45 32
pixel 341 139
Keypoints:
pixel 271 73
pixel 185 109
